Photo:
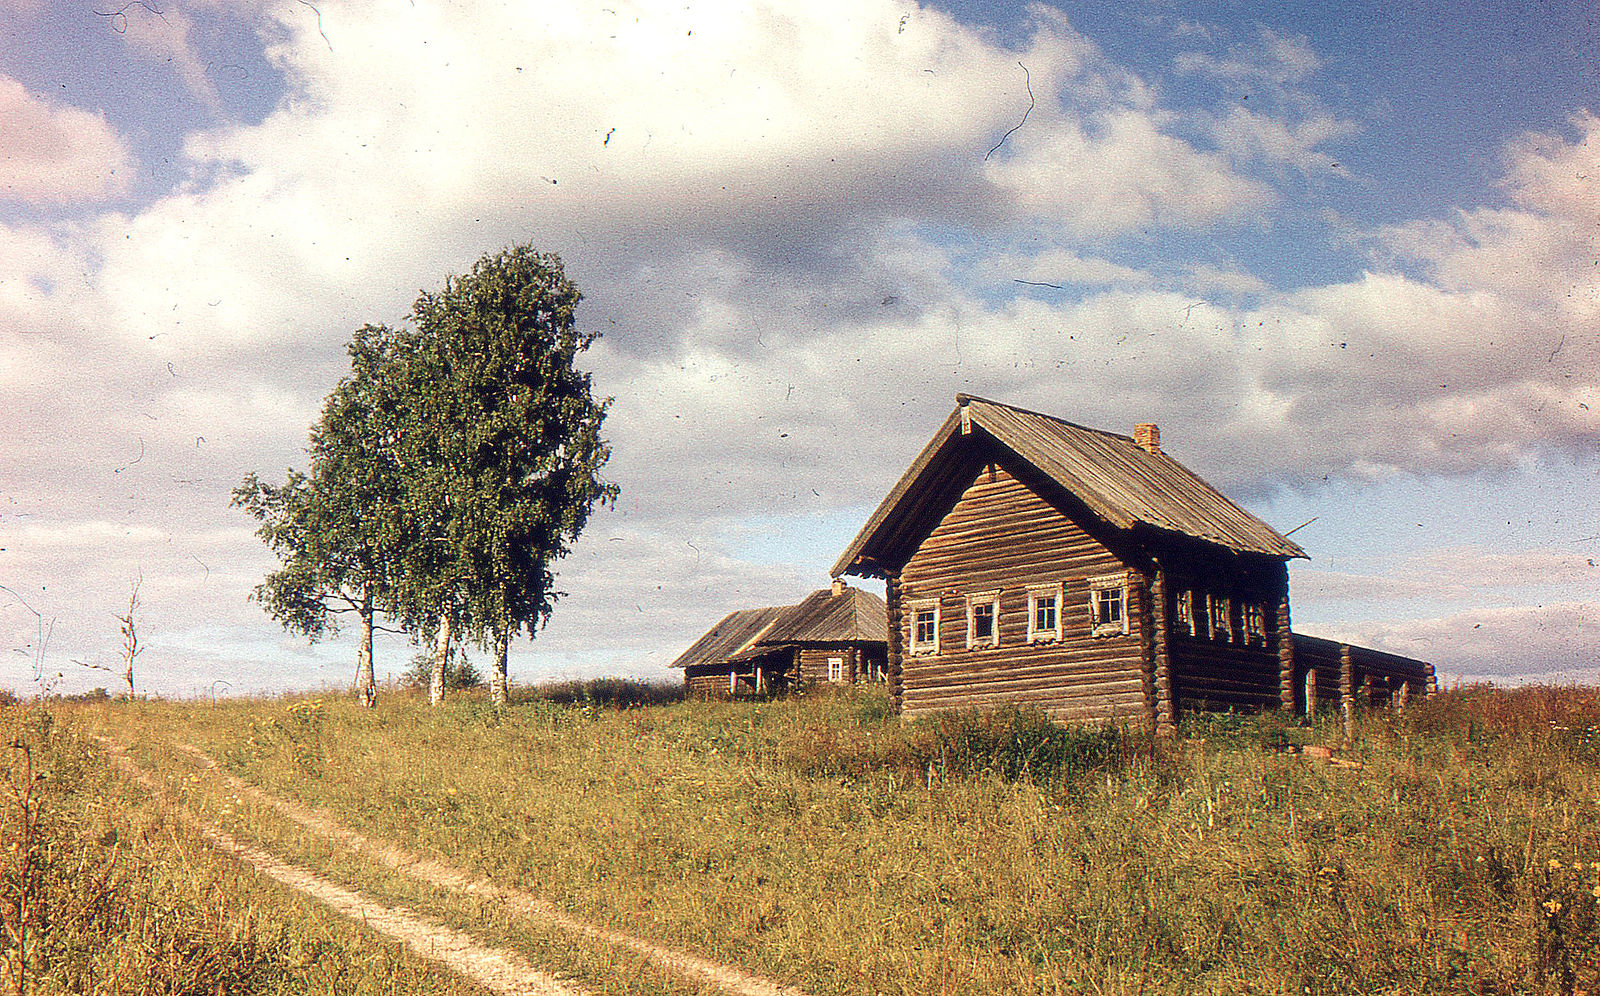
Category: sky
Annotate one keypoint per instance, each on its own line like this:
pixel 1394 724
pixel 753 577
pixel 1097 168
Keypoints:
pixel 1347 256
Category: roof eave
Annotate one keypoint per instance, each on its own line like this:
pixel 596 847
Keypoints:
pixel 861 549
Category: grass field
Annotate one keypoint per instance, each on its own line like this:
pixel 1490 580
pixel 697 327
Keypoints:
pixel 820 841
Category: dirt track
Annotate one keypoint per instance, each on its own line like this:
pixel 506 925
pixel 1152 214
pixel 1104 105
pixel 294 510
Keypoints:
pixel 496 968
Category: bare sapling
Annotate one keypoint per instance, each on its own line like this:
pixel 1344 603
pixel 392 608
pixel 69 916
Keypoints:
pixel 131 647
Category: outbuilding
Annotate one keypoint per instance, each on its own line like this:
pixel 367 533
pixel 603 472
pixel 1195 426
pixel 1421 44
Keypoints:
pixel 836 635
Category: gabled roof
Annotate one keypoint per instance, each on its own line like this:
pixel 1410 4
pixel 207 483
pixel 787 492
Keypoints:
pixel 824 617
pixel 1119 481
pixel 734 633
pixel 852 615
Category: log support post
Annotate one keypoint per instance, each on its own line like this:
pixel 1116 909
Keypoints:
pixel 891 591
pixel 1158 686
pixel 1311 691
pixel 1347 693
pixel 1285 640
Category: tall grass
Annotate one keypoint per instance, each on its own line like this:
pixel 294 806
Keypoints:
pixel 821 840
pixel 103 892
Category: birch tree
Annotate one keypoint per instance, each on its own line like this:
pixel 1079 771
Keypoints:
pixel 511 429
pixel 341 529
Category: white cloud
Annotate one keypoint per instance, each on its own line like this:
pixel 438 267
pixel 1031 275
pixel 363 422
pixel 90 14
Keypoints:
pixel 1245 135
pixel 1270 58
pixel 1124 174
pixel 1543 643
pixel 1454 574
pixel 53 153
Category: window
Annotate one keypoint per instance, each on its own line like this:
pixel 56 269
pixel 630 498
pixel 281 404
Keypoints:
pixel 1255 624
pixel 836 669
pixel 1221 614
pixel 1108 605
pixel 983 619
pixel 1184 605
pixel 924 626
pixel 1044 613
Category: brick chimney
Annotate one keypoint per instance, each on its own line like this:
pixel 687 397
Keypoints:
pixel 1148 436
pixel 838 587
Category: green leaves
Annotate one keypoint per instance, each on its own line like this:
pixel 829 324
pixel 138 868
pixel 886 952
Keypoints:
pixel 454 464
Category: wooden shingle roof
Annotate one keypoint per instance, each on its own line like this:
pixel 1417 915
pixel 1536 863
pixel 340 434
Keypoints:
pixel 1119 481
pixel 737 631
pixel 852 616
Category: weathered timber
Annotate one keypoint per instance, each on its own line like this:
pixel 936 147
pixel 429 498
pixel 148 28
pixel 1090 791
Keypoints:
pixel 896 645
pixel 1284 643
pixel 779 646
pixel 960 557
pixel 1347 693
pixel 1092 539
pixel 1161 677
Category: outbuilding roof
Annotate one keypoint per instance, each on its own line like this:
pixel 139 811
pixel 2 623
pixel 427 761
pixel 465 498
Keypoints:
pixel 1123 483
pixel 735 632
pixel 848 616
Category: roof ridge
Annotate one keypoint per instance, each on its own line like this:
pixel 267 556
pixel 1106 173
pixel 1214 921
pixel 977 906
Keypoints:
pixel 1044 415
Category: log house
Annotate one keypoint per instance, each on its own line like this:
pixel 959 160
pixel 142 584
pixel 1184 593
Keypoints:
pixel 837 635
pixel 1031 561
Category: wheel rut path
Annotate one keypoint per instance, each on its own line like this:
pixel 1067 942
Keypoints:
pixel 444 943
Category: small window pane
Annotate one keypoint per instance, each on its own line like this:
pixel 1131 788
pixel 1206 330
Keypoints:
pixel 983 622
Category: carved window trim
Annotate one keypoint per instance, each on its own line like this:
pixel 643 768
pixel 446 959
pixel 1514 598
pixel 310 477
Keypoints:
pixel 1219 616
pixel 1255 623
pixel 1040 595
pixel 983 600
pixel 914 609
pixel 1183 611
pixel 1108 605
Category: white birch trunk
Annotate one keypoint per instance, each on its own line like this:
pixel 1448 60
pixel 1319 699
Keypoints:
pixel 436 686
pixel 366 684
pixel 497 683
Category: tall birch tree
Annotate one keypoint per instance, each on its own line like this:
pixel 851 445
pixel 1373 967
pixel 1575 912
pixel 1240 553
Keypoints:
pixel 510 429
pixel 340 530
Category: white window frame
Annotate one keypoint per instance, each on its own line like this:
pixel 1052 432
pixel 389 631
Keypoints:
pixel 1099 626
pixel 1255 623
pixel 1218 607
pixel 836 670
pixel 974 600
pixel 1183 608
pixel 1035 593
pixel 913 607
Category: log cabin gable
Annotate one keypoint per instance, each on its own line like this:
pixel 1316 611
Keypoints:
pixel 1006 568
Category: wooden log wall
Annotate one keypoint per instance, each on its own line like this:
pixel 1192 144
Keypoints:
pixel 894 656
pixel 1223 670
pixel 1374 677
pixel 1164 705
pixel 1283 640
pixel 1320 657
pixel 1001 535
pixel 813 668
